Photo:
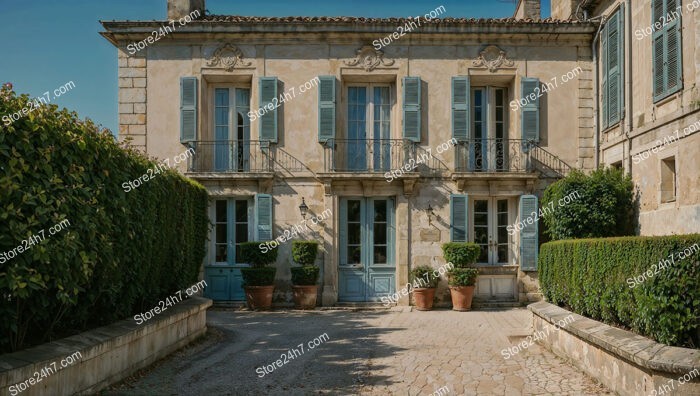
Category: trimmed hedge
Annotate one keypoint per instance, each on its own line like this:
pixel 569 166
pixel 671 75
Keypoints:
pixel 304 252
pixel 122 253
pixel 624 281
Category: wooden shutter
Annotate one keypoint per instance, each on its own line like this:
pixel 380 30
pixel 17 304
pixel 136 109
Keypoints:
pixel 613 69
pixel 459 217
pixel 263 217
pixel 326 108
pixel 268 98
pixel 673 55
pixel 411 108
pixel 604 76
pixel 530 113
pixel 188 109
pixel 528 235
pixel 460 108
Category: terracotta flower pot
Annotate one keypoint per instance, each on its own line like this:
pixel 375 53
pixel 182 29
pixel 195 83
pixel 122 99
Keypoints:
pixel 461 297
pixel 424 297
pixel 305 296
pixel 259 297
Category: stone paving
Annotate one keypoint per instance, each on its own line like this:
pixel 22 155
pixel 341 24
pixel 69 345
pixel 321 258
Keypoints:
pixel 367 353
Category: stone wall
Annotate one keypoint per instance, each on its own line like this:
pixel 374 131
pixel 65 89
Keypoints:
pixel 626 363
pixel 106 354
pixel 132 98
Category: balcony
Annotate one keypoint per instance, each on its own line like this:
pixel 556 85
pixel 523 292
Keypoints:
pixel 231 157
pixel 494 155
pixel 367 155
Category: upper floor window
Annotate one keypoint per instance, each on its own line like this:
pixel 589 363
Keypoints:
pixel 612 48
pixel 369 126
pixel 666 48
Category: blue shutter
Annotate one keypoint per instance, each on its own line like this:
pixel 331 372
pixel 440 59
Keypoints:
pixel 460 108
pixel 528 235
pixel 263 217
pixel 613 69
pixel 604 76
pixel 326 108
pixel 674 56
pixel 459 217
pixel 530 113
pixel 268 97
pixel 411 108
pixel 188 109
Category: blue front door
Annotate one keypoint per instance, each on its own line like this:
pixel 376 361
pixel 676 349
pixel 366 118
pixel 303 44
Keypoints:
pixel 367 270
pixel 223 276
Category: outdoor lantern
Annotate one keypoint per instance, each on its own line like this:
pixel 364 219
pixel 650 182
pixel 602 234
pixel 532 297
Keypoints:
pixel 303 208
pixel 430 214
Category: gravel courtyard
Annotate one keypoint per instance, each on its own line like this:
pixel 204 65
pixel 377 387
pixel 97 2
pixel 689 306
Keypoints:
pixel 364 353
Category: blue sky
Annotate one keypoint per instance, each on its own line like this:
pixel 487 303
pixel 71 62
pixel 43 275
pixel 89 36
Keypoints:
pixel 47 43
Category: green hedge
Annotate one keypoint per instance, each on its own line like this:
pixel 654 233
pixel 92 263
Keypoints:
pixel 123 251
pixel 597 205
pixel 613 280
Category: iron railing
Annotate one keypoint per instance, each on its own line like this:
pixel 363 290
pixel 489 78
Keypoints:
pixel 548 163
pixel 493 155
pixel 368 155
pixel 231 156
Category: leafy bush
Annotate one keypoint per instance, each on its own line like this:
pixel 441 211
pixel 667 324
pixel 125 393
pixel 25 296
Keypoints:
pixel 424 276
pixel 304 252
pixel 598 205
pixel 305 276
pixel 122 253
pixel 258 276
pixel 461 254
pixel 625 282
pixel 462 276
pixel 253 255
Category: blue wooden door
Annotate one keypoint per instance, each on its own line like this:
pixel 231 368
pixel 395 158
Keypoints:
pixel 223 276
pixel 367 269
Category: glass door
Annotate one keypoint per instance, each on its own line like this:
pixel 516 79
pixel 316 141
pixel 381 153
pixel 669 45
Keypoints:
pixel 231 129
pixel 366 267
pixel 369 127
pixel 489 144
pixel 490 224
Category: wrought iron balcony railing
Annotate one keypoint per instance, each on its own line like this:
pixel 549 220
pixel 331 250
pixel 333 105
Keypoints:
pixel 231 156
pixel 493 155
pixel 367 155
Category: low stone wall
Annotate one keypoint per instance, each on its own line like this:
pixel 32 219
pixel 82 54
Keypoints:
pixel 104 355
pixel 626 363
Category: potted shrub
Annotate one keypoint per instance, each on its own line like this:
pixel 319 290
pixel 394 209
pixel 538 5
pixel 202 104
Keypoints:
pixel 427 280
pixel 259 279
pixel 304 278
pixel 461 278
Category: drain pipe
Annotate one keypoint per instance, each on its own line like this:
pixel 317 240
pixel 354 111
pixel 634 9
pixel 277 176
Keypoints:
pixel 628 82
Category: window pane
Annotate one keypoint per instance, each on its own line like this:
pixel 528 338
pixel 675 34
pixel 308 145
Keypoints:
pixel 481 206
pixel 241 232
pixel 502 253
pixel 380 234
pixel 354 233
pixel 221 234
pixel 380 255
pixel 484 255
pixel 241 211
pixel 353 210
pixel 354 254
pixel 502 219
pixel 379 211
pixel 221 253
pixel 221 211
pixel 502 234
pixel 481 235
pixel 480 218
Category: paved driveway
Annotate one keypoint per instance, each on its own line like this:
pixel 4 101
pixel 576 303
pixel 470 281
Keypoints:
pixel 363 353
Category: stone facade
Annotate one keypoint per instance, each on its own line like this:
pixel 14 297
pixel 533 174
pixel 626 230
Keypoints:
pixel 132 98
pixel 231 53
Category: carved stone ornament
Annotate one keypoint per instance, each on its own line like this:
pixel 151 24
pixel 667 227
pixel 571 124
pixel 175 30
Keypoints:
pixel 493 58
pixel 227 56
pixel 369 58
